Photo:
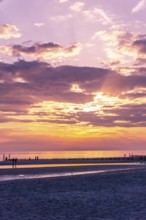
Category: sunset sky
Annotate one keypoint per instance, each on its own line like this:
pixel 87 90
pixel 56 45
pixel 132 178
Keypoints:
pixel 72 75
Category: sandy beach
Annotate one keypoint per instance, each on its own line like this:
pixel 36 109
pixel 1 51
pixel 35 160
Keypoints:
pixel 114 195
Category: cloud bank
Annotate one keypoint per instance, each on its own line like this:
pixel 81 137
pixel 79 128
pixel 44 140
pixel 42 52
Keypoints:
pixel 71 95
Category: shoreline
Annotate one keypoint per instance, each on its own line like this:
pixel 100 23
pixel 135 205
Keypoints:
pixel 63 174
pixel 68 169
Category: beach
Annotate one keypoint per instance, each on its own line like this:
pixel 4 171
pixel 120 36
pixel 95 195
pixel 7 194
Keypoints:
pixel 110 195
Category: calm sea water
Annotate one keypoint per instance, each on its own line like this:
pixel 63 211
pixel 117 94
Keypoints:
pixel 68 154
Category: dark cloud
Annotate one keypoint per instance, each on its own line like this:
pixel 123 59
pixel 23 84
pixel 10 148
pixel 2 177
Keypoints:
pixel 18 49
pixel 123 116
pixel 58 121
pixel 41 81
pixel 140 45
pixel 130 115
pixel 134 95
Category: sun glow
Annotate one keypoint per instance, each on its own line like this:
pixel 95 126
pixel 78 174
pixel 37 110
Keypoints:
pixel 76 88
pixel 100 101
pixel 52 111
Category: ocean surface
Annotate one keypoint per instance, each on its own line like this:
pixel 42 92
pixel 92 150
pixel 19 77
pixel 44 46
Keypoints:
pixel 68 154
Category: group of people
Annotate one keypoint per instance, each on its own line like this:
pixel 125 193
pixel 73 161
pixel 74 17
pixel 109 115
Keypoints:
pixel 14 161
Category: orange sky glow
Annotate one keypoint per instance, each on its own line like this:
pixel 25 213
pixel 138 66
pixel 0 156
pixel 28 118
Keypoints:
pixel 72 75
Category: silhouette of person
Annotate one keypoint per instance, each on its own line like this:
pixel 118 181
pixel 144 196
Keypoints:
pixel 13 163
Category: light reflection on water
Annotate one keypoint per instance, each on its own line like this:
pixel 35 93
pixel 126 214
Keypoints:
pixel 64 174
pixel 65 165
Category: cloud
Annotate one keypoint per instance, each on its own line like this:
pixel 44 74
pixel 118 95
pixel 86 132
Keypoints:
pixel 44 51
pixel 98 13
pixel 129 48
pixel 37 92
pixel 61 17
pixel 139 6
pixel 140 45
pixel 133 44
pixel 77 6
pixel 38 80
pixel 8 31
pixel 40 24
pixel 130 115
pixel 103 14
pixel 62 1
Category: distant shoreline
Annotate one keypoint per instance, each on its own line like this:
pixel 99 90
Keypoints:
pixel 125 159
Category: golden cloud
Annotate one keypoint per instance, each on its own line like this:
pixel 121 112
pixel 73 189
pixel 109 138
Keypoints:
pixel 43 52
pixel 9 31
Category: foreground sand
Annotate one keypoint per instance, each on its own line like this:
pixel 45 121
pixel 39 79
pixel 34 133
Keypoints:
pixel 119 195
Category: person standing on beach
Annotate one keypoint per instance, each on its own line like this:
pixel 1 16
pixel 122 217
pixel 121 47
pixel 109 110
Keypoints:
pixel 13 162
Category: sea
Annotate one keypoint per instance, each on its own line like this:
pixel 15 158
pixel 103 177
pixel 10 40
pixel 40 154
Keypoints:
pixel 68 154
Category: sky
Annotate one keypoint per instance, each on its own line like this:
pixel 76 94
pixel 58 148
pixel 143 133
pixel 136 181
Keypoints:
pixel 72 75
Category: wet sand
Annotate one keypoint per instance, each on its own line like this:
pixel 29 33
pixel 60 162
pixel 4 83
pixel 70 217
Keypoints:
pixel 61 168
